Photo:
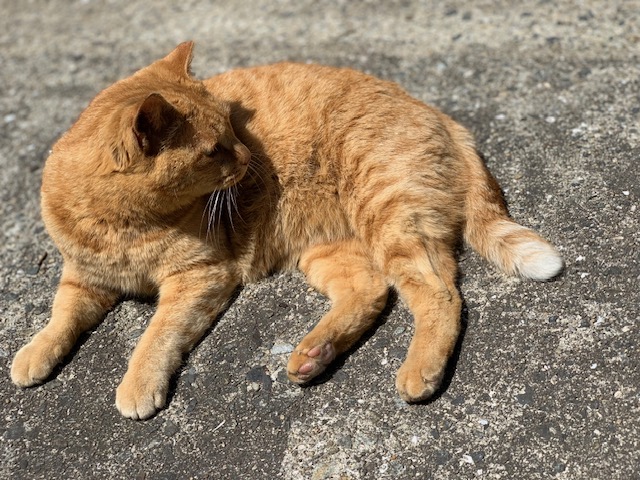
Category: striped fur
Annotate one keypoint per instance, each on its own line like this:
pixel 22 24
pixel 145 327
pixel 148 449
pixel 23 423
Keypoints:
pixel 185 189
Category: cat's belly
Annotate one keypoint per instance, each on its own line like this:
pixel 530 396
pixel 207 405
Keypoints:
pixel 310 218
pixel 300 220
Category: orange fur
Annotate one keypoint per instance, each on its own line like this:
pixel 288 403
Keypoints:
pixel 185 189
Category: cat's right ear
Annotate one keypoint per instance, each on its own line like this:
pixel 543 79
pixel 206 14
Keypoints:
pixel 180 58
pixel 154 124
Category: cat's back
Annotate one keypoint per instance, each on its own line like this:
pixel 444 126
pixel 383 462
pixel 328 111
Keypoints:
pixel 309 98
pixel 281 84
pixel 293 111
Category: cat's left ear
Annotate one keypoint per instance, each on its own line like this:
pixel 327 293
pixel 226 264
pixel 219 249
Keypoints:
pixel 180 58
pixel 154 124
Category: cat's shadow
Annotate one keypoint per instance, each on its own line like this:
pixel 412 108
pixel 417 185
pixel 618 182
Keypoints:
pixel 329 374
pixel 338 364
pixel 84 337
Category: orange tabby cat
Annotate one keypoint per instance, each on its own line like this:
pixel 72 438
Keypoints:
pixel 185 189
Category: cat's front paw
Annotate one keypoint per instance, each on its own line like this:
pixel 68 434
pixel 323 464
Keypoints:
pixel 35 361
pixel 416 382
pixel 140 395
pixel 306 363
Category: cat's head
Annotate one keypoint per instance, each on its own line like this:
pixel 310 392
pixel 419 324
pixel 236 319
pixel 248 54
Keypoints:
pixel 156 140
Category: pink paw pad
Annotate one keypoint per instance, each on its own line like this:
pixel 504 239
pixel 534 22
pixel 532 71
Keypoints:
pixel 301 369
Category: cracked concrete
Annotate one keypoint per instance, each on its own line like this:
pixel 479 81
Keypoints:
pixel 546 382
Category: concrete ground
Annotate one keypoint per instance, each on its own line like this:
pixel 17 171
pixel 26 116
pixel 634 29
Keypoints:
pixel 546 380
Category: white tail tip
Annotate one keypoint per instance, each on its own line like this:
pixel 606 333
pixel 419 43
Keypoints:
pixel 522 251
pixel 537 260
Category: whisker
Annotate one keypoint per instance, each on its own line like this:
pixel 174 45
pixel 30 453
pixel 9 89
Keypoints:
pixel 205 211
pixel 213 214
pixel 254 169
pixel 230 213
pixel 218 211
pixel 234 200
pixel 214 208
pixel 258 169
pixel 208 213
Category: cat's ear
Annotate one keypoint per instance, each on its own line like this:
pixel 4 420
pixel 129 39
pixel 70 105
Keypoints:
pixel 180 58
pixel 155 122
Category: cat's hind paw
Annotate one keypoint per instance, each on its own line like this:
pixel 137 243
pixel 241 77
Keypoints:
pixel 307 363
pixel 415 384
pixel 139 397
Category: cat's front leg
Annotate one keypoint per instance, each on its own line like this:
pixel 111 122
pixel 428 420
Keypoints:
pixel 188 304
pixel 77 307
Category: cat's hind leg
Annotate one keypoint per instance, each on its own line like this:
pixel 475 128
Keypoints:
pixel 358 293
pixel 423 270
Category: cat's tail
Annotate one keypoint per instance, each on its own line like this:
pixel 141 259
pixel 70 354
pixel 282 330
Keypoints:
pixel 489 229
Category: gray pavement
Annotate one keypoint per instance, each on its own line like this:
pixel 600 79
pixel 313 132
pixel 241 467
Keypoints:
pixel 546 379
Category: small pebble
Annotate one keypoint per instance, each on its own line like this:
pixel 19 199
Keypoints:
pixel 559 467
pixel 282 376
pixel 281 348
pixel 190 376
pixel 477 457
pixel 135 333
pixel 344 441
pixel 153 444
pixel 399 331
pixel 468 459
pixel 579 129
pixel 253 387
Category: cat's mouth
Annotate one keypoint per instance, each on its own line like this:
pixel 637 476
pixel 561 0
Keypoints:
pixel 231 180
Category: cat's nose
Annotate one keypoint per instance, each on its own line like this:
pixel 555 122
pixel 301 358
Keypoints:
pixel 243 155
